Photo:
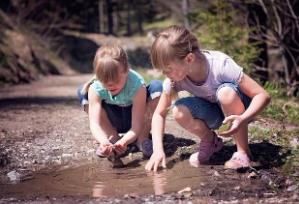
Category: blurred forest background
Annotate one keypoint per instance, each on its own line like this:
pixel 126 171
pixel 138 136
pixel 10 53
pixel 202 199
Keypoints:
pixel 61 37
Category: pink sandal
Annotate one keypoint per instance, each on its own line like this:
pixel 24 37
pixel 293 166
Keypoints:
pixel 238 160
pixel 205 151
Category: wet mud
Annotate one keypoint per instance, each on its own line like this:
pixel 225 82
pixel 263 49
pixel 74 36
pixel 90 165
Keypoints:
pixel 100 180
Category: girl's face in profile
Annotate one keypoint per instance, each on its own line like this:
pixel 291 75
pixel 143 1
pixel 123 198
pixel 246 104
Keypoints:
pixel 114 87
pixel 175 71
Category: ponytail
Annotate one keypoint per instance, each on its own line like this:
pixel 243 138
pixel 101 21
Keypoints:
pixel 173 94
pixel 86 86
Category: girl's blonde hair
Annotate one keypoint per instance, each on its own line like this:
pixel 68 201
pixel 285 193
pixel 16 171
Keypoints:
pixel 106 64
pixel 173 43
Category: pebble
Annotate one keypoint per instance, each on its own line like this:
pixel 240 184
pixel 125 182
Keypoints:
pixel 292 188
pixel 14 176
pixel 67 155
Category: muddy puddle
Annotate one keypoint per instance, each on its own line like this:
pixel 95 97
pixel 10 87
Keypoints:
pixel 100 179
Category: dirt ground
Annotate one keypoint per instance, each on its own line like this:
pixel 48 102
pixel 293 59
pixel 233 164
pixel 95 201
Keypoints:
pixel 42 126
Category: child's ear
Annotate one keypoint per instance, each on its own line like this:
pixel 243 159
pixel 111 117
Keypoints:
pixel 190 58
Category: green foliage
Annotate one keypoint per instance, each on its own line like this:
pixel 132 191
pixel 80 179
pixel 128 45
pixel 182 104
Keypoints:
pixel 274 109
pixel 280 108
pixel 220 31
pixel 291 165
pixel 259 133
pixel 291 110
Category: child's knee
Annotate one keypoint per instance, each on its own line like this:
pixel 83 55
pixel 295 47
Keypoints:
pixel 226 95
pixel 180 112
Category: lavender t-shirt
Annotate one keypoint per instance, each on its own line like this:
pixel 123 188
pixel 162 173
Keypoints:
pixel 221 69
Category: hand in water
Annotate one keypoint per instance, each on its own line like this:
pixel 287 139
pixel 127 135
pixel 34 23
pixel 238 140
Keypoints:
pixel 116 160
pixel 157 158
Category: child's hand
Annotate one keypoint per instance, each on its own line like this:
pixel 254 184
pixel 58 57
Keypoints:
pixel 235 122
pixel 157 158
pixel 106 148
pixel 224 127
pixel 120 147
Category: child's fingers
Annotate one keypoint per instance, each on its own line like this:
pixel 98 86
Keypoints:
pixel 164 163
pixel 120 149
pixel 105 151
pixel 149 165
pixel 156 164
pixel 117 149
pixel 228 119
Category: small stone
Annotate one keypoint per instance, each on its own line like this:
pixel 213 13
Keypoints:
pixel 187 189
pixel 292 188
pixel 14 176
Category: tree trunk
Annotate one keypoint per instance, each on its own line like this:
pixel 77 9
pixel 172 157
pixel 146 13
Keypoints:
pixel 129 2
pixel 101 17
pixel 139 9
pixel 258 18
pixel 110 16
pixel 115 17
pixel 291 44
pixel 185 8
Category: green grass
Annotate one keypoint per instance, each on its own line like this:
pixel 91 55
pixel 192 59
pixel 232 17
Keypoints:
pixel 281 108
pixel 286 139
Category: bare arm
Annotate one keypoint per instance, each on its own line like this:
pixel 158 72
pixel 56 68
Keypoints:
pixel 260 99
pixel 138 111
pixel 158 121
pixel 98 122
pixel 158 126
pixel 95 110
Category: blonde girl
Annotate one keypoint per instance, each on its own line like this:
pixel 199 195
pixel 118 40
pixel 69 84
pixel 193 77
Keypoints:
pixel 118 101
pixel 221 93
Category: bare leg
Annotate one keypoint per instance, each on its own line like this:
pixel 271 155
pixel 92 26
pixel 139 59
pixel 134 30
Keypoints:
pixel 106 125
pixel 198 127
pixel 232 105
pixel 210 142
pixel 86 108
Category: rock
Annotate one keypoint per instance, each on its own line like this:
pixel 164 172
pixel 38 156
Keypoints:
pixel 14 176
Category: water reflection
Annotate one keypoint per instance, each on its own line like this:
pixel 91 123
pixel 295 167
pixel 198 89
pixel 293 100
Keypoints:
pixel 98 190
pixel 159 181
pixel 100 180
pixel 136 181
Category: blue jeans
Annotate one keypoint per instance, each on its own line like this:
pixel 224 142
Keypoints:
pixel 121 117
pixel 211 113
